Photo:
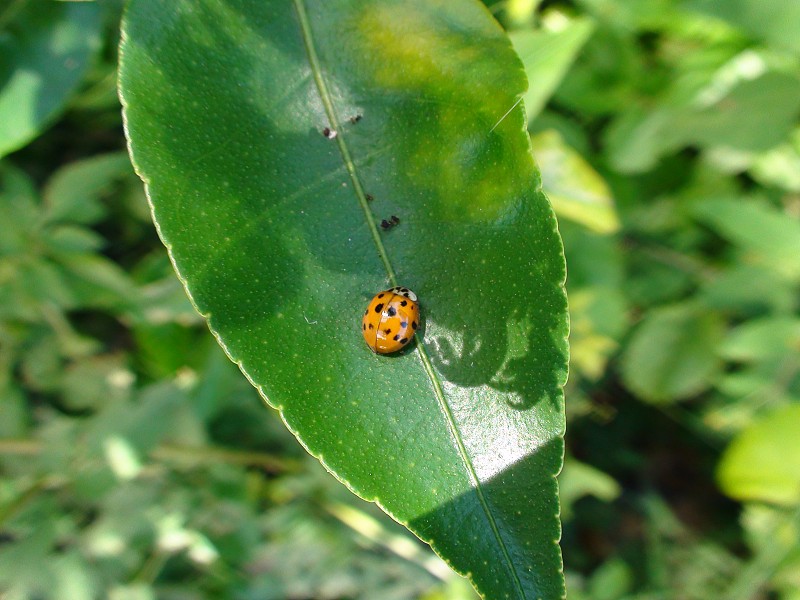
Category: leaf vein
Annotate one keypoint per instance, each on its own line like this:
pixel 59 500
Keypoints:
pixel 422 353
pixel 327 102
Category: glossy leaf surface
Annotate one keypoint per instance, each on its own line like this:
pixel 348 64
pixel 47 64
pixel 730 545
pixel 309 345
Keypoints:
pixel 275 230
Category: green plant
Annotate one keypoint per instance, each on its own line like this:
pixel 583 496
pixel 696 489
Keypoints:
pixel 137 463
pixel 271 214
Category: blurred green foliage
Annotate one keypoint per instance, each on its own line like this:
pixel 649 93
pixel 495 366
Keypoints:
pixel 137 463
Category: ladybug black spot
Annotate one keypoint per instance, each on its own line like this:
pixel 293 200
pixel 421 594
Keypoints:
pixel 404 303
pixel 397 337
pixel 387 331
pixel 404 324
pixel 379 307
pixel 404 341
pixel 414 325
pixel 391 312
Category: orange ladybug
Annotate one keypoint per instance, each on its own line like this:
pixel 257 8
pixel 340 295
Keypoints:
pixel 391 320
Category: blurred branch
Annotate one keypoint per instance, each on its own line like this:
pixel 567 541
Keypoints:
pixel 190 455
pixel 671 258
pixel 208 455
pixel 29 494
pixel 401 545
pixel 10 11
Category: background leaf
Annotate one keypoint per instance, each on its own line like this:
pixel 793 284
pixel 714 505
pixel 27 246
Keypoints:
pixel 762 232
pixel 547 54
pixel 573 186
pixel 672 353
pixel 775 21
pixel 274 234
pixel 45 50
pixel 763 462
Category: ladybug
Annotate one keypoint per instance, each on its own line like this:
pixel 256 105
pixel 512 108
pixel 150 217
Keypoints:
pixel 391 320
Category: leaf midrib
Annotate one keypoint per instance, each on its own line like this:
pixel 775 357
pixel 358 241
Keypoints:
pixel 327 103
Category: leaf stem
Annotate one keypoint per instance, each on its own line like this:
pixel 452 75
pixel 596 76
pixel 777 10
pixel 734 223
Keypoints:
pixel 194 455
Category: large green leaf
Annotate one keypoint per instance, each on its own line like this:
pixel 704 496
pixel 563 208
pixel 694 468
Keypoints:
pixel 274 230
